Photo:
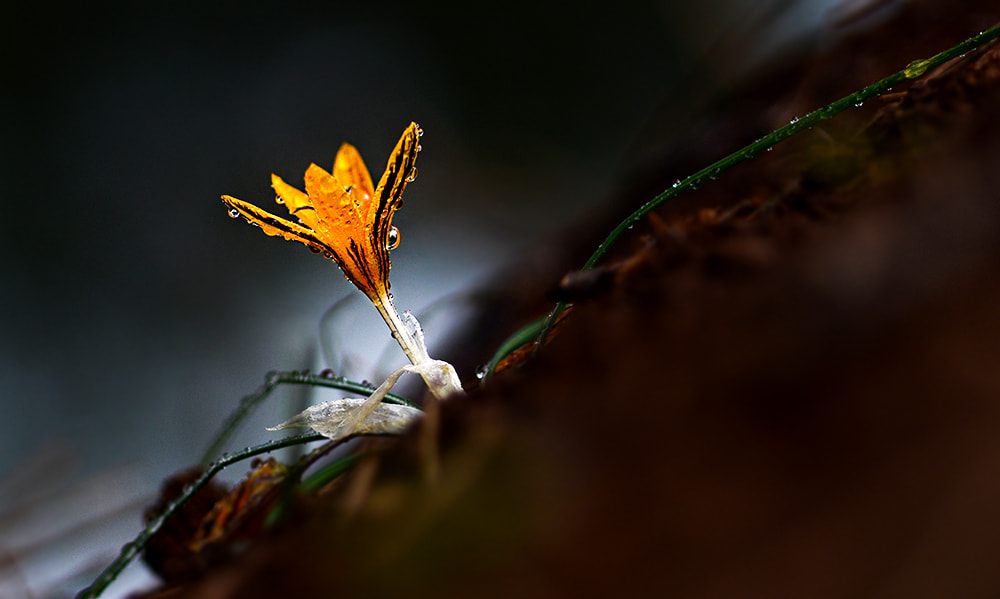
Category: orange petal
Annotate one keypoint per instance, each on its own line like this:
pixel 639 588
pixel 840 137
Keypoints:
pixel 277 226
pixel 337 211
pixel 389 194
pixel 350 171
pixel 297 202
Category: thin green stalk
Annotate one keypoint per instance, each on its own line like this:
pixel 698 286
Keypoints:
pixel 131 550
pixel 250 402
pixel 326 474
pixel 518 339
pixel 913 70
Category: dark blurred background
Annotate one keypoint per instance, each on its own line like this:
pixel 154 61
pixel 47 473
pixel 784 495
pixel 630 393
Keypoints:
pixel 136 313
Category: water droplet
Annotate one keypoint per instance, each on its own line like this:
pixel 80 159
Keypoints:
pixel 916 69
pixel 327 373
pixel 392 241
pixel 419 147
pixel 420 132
pixel 327 255
pixel 234 213
pixel 859 103
pixel 794 120
pixel 271 221
pixel 412 176
pixel 482 371
pixel 279 199
pixel 677 183
pixel 315 249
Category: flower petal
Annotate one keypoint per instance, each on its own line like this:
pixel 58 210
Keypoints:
pixel 389 194
pixel 350 171
pixel 336 211
pixel 277 226
pixel 297 202
pixel 334 419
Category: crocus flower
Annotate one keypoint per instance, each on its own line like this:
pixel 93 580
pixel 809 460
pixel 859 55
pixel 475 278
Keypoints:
pixel 349 220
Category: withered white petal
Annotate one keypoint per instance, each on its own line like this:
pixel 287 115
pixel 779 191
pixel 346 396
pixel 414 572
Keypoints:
pixel 331 418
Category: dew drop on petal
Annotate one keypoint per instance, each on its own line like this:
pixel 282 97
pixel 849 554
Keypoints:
pixel 412 176
pixel 392 241
pixel 482 371
pixel 279 200
pixel 420 132
pixel 419 147
pixel 314 249
pixel 327 255
pixel 234 213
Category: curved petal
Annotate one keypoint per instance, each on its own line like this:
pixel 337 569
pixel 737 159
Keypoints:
pixel 389 194
pixel 277 226
pixel 298 203
pixel 350 171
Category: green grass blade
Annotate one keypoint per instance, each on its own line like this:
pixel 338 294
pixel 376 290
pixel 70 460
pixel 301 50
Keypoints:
pixel 131 550
pixel 913 70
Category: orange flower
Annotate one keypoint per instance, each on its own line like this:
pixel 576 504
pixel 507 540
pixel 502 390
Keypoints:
pixel 343 215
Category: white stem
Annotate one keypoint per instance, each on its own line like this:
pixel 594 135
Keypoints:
pixel 439 376
pixel 411 348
